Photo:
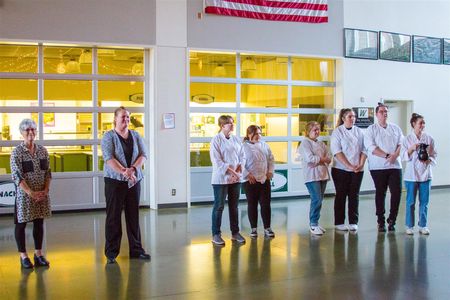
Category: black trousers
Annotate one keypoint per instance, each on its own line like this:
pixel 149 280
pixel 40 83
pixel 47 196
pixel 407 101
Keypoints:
pixel 38 235
pixel 347 184
pixel 258 193
pixel 383 179
pixel 119 197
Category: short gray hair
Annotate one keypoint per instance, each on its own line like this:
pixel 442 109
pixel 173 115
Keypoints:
pixel 27 123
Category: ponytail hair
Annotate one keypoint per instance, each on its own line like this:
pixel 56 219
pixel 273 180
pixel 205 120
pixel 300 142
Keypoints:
pixel 224 119
pixel 342 114
pixel 414 118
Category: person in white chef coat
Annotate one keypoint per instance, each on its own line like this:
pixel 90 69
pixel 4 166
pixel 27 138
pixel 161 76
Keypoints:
pixel 349 157
pixel 315 158
pixel 258 171
pixel 228 160
pixel 417 174
pixel 383 142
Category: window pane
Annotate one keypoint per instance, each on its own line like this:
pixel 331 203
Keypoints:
pixel 121 62
pixel 279 151
pixel 68 93
pixel 18 58
pixel 9 125
pixel 298 123
pixel 67 60
pixel 264 67
pixel 18 92
pixel 270 96
pixel 200 155
pixel 212 64
pixel 206 124
pixel 311 69
pixel 5 153
pixel 120 93
pixel 271 124
pixel 213 95
pixel 312 97
pixel 66 126
pixel 70 158
pixel 105 123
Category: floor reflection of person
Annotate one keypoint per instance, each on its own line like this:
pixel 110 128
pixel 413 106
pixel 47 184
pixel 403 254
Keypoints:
pixel 417 174
pixel 124 154
pixel 30 170
pixel 316 158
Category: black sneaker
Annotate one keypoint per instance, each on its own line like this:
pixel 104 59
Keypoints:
pixel 269 233
pixel 26 263
pixel 391 227
pixel 381 228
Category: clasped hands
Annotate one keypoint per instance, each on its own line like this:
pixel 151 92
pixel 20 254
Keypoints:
pixel 129 174
pixel 38 196
pixel 235 174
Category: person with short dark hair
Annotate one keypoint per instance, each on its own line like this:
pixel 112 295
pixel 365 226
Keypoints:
pixel 383 142
pixel 30 170
pixel 347 147
pixel 124 153
pixel 419 152
pixel 258 171
pixel 228 160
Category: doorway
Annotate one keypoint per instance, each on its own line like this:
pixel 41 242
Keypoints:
pixel 399 113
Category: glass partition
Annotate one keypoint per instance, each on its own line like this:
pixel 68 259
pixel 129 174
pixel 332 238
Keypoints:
pixel 18 58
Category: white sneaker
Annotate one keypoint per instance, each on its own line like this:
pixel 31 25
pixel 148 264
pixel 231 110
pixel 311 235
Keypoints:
pixel 424 230
pixel 353 227
pixel 254 233
pixel 409 230
pixel 315 230
pixel 342 227
pixel 323 229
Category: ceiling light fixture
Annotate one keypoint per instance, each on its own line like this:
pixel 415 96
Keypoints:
pixel 219 70
pixel 138 68
pixel 73 66
pixel 248 64
pixel 85 57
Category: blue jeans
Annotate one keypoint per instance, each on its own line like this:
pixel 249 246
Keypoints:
pixel 220 194
pixel 316 190
pixel 424 196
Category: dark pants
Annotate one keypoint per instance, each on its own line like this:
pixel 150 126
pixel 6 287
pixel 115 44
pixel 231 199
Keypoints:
pixel 383 179
pixel 38 235
pixel 258 192
pixel 347 184
pixel 119 197
pixel 221 191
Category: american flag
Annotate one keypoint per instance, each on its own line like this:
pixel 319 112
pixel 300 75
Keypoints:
pixel 309 11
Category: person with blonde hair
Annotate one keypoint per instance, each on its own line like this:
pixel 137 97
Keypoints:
pixel 316 158
pixel 349 157
pixel 227 157
pixel 258 171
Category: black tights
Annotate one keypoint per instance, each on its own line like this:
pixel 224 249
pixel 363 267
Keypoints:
pixel 38 235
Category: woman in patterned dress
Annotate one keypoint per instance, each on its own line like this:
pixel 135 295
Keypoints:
pixel 30 170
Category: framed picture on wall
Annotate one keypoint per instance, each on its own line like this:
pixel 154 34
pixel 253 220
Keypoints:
pixel 395 46
pixel 446 51
pixel 427 49
pixel 360 43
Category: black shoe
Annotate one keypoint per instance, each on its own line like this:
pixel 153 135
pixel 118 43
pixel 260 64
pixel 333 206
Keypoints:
pixel 111 260
pixel 143 256
pixel 26 263
pixel 391 227
pixel 41 261
pixel 381 228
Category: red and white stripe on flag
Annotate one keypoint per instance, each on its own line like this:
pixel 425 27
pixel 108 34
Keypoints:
pixel 309 11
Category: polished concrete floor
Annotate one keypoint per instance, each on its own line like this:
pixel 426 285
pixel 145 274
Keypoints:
pixel 185 265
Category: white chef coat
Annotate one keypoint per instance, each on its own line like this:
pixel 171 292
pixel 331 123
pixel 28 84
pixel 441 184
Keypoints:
pixel 310 153
pixel 225 153
pixel 387 139
pixel 415 169
pixel 349 142
pixel 258 160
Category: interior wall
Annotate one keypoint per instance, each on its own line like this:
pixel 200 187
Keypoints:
pixel 223 32
pixel 99 21
pixel 427 85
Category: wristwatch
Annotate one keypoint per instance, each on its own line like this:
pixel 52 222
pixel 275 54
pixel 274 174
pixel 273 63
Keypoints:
pixel 387 155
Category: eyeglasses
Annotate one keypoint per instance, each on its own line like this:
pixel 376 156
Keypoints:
pixel 30 129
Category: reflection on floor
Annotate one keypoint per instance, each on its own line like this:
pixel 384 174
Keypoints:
pixel 185 265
